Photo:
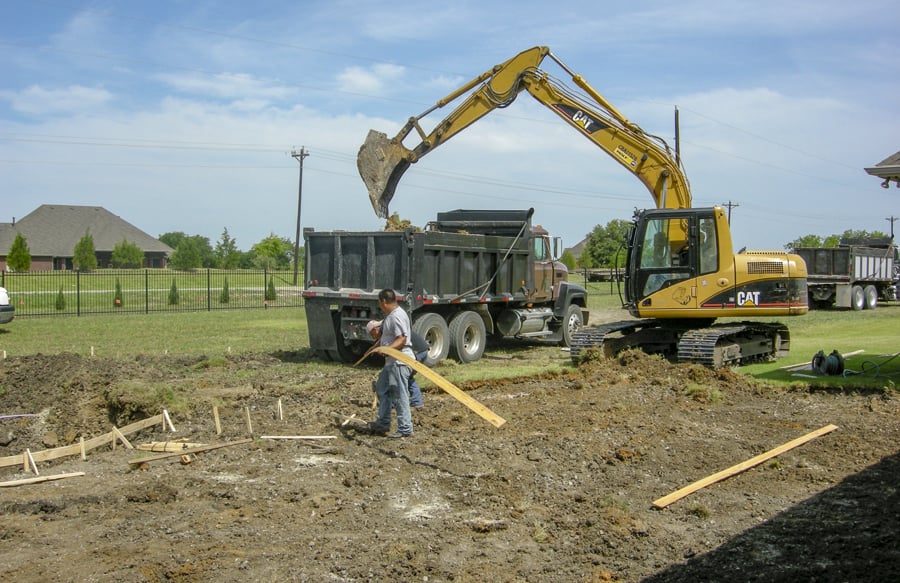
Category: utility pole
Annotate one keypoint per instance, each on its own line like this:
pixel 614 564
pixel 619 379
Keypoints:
pixel 891 218
pixel 299 156
pixel 730 206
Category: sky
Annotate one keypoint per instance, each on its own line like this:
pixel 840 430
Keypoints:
pixel 183 115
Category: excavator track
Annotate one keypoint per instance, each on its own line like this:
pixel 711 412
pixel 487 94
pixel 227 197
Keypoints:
pixel 714 346
pixel 733 344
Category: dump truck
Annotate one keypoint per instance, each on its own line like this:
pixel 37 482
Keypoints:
pixel 467 275
pixel 856 274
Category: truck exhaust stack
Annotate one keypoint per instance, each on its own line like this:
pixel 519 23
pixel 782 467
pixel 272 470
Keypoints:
pixel 381 163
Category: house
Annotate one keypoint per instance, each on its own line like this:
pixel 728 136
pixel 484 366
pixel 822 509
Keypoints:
pixel 52 231
pixel 888 169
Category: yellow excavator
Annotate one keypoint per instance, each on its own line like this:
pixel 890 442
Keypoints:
pixel 681 272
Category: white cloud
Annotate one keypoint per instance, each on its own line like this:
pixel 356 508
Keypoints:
pixel 226 85
pixel 37 100
pixel 371 81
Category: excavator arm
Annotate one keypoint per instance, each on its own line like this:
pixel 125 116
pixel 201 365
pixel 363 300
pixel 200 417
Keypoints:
pixel 382 160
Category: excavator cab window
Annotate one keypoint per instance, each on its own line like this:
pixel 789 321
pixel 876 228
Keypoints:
pixel 709 250
pixel 666 255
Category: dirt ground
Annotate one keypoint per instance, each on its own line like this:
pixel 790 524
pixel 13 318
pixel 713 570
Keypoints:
pixel 563 492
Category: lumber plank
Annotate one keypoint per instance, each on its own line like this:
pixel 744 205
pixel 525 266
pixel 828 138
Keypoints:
pixel 454 391
pixel 162 456
pixel 741 467
pixel 25 481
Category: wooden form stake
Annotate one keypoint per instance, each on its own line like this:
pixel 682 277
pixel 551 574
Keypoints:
pixel 280 411
pixel 118 435
pixel 216 419
pixel 249 423
pixel 736 469
pixel 168 421
pixel 30 462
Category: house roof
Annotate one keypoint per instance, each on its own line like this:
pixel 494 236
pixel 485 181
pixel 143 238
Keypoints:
pixel 54 230
pixel 889 169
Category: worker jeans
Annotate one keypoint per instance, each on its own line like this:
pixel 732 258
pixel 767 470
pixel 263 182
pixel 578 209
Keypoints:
pixel 415 391
pixel 392 389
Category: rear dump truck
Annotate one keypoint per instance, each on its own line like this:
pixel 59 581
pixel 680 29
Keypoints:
pixel 469 276
pixel 856 274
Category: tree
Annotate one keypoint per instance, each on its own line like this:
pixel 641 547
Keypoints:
pixel 805 241
pixel 201 246
pixel 186 255
pixel 273 252
pixel 568 259
pixel 227 253
pixel 270 291
pixel 127 255
pixel 604 247
pixel 19 257
pixel 84 257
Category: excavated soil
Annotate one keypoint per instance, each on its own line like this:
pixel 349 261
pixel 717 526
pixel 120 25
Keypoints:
pixel 563 491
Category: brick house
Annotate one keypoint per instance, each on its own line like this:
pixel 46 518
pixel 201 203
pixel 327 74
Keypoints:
pixel 52 231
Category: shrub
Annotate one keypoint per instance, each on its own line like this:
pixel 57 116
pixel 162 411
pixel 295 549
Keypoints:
pixel 173 294
pixel 60 300
pixel 224 297
pixel 117 298
pixel 270 290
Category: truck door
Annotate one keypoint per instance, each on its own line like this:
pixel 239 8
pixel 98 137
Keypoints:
pixel 543 270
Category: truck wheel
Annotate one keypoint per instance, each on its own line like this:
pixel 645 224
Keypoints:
pixel 573 322
pixel 434 330
pixel 871 293
pixel 467 336
pixel 857 298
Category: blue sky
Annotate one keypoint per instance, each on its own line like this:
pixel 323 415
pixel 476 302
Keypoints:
pixel 182 115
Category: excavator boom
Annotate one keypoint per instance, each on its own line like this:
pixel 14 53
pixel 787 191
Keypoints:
pixel 383 160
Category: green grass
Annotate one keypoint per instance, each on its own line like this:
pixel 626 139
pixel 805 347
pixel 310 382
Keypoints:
pixel 217 333
pixel 188 333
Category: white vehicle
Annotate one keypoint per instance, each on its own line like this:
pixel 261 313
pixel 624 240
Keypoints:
pixel 7 310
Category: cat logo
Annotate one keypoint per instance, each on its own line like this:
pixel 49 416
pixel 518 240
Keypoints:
pixel 748 298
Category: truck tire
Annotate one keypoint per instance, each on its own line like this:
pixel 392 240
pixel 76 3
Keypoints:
pixel 871 293
pixel 857 298
pixel 467 336
pixel 573 322
pixel 436 333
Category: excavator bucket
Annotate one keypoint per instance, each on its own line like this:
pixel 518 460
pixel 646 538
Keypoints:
pixel 381 162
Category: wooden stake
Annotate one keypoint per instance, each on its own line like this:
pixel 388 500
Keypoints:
pixel 249 423
pixel 280 411
pixel 736 469
pixel 168 421
pixel 41 479
pixel 31 463
pixel 446 385
pixel 216 418
pixel 83 450
pixel 118 435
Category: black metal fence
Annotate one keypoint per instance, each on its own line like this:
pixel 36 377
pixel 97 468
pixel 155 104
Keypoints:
pixel 103 291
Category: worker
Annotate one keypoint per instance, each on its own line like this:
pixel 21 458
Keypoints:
pixel 420 348
pixel 392 386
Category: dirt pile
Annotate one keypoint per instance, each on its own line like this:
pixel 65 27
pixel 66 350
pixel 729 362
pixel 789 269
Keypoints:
pixel 562 492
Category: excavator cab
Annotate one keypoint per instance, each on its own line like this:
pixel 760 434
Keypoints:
pixel 667 250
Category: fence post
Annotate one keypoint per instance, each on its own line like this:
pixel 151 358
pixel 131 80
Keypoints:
pixel 146 291
pixel 78 293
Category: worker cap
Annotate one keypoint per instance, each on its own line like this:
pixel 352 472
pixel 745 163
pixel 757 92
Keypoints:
pixel 372 324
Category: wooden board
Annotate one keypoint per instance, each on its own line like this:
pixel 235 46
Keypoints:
pixel 446 385
pixel 736 469
pixel 162 456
